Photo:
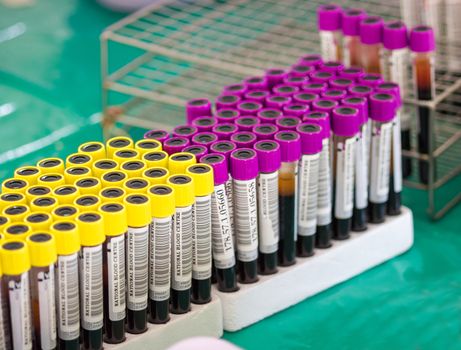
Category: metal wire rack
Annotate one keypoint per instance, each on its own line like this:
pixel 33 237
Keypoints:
pixel 192 48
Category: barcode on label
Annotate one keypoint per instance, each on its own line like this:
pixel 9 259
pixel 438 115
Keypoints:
pixel 344 189
pixel 268 214
pixel 380 163
pixel 137 243
pixel 20 312
pixel 47 308
pixel 308 185
pixel 68 297
pixel 116 277
pixel 324 186
pixel 361 172
pixel 230 201
pixel 397 154
pixel 160 258
pixel 3 326
pixel 328 46
pixel 181 254
pixel 201 242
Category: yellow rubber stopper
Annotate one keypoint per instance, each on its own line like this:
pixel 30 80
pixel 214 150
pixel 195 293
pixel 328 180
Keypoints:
pixel 28 173
pixel 17 231
pixel 133 168
pixel 125 154
pixel 103 166
pixel 37 191
pixel 138 209
pixel 88 185
pixel 135 185
pixel 156 159
pixel 75 173
pixel 51 166
pixel 16 212
pixel 42 249
pixel 87 202
pixel 13 185
pixel 52 180
pixel 147 145
pixel 156 175
pixel 112 194
pixel 44 203
pixel 67 237
pixel 95 149
pixel 66 194
pixel 91 228
pixel 3 222
pixel 178 162
pixel 8 199
pixel 79 159
pixel 39 221
pixel 183 186
pixel 116 143
pixel 115 220
pixel 203 179
pixel 162 200
pixel 65 212
pixel 15 258
pixel 113 179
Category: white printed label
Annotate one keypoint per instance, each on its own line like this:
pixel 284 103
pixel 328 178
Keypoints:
pixel 20 312
pixel 181 253
pixel 4 336
pixel 47 309
pixel 324 186
pixel 116 277
pixel 397 153
pixel 137 258
pixel 268 212
pixel 221 229
pixel 160 258
pixel 328 46
pixel 344 186
pixel 361 171
pixel 230 201
pixel 398 68
pixel 380 163
pixel 295 231
pixel 67 297
pixel 201 241
pixel 308 186
pixel 246 219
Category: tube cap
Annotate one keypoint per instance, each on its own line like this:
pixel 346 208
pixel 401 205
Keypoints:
pixel 227 101
pixel 277 101
pixel 67 237
pixel 102 166
pixel 156 175
pixel 39 221
pixel 306 98
pixel 340 83
pixel 329 17
pixel 17 231
pixel 224 130
pixel 51 165
pixel 7 199
pixel 156 159
pixel 42 249
pixel 290 145
pixel 258 96
pixel 204 138
pixel 136 185
pixel 197 150
pixel 14 185
pixel 15 257
pixel 16 212
pixel 202 174
pixel 91 228
pixel 145 145
pixel 95 149
pixel 295 110
pixel 138 209
pixel 351 21
pixel 345 121
pixel 395 35
pixel 371 79
pixel 178 162
pixel 125 154
pixel 269 158
pixel 391 88
pixel 244 164
pixel 3 221
pixel 360 90
pixel 311 138
pixel 246 123
pixel 332 67
pixel 186 131
pixel 227 115
pixel 44 203
pixel 320 76
pixel 133 168
pixel 65 212
pixel 275 76
pixel 183 186
pixel 244 139
pixel 87 202
pixel 66 194
pixel 334 94
pixel 353 73
pixel 296 80
pixel 112 194
pixel 422 39
pixel 113 178
pixel 28 173
pixel 74 173
pixel 287 123
pixel 204 124
pixel 223 147
pixel 52 180
pixel 116 143
pixel 88 185
pixel 115 221
pixel 324 105
pixel 235 89
pixel 300 71
pixel 219 164
pixel 37 191
pixel 265 131
pixel 156 134
pixel 285 90
pixel 249 107
pixel 382 107
pixel 197 107
pixel 79 159
pixel 269 115
pixel 321 119
pixel 162 200
pixel 175 144
pixel 311 60
pixel 313 88
pixel 361 103
pixel 371 30
pixel 255 83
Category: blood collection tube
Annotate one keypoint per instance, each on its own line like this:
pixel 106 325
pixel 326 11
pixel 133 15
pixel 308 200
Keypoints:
pixel 157 134
pixel 175 144
pixel 65 212
pixel 295 109
pixel 329 26
pixel 382 113
pixel 144 146
pixel 285 90
pixel 246 123
pixel 334 94
pixel 38 221
pixel 15 287
pixel 136 185
pixel 306 98
pixel 14 185
pixel 91 229
pixel 299 71
pixel 51 165
pixel 224 131
pixel 311 60
pixel 269 162
pixel 244 139
pixel 345 124
pixel 205 123
pixel 102 166
pixel 235 89
pixel 422 45
pixel 312 88
pixel 186 131
pixel 95 149
pixel 112 194
pixel 351 36
pixel 79 159
pixel 324 105
pixel 156 159
pixel 258 96
pixel 277 101
pixel 275 76
pixel 88 185
pixel 320 77
pixel 371 29
pixel 287 123
pixel 296 80
pixel 87 202
pixel 181 243
pixel 139 216
pixel 353 73
pixel 5 331
pixel 117 143
pixel 160 233
pixel 66 194
pixel 52 180
pixel 202 176
pixel 178 162
pixel 133 168
pixel 17 231
pixel 204 139
pixel 43 203
pixel 226 101
pixel 265 131
pixel 67 239
pixel 113 178
pixel 197 107
pixel 255 83
pixel 269 115
pixel 115 228
pixel 227 115
pixel 249 107
pixel 244 170
pixel 16 212
pixel 156 175
pixel 75 173
pixel 222 225
pixel 43 256
pixel 123 155
pixel 340 83
pixel 197 150
pixel 8 199
pixel 363 91
pixel 28 173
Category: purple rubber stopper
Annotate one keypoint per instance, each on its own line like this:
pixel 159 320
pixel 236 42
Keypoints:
pixel 334 94
pixel 197 107
pixel 395 35
pixel 324 105
pixel 300 70
pixel 204 138
pixel 391 88
pixel 319 118
pixel 360 90
pixel 244 139
pixel 422 39
pixel 269 157
pixel 197 150
pixel 249 107
pixel 244 164
pixel 204 123
pixel 246 123
pixel 345 121
pixel 353 73
pixel 223 147
pixel 296 81
pixel 361 103
pixel 265 131
pixel 156 134
pixel 313 60
pixel 285 90
pixel 275 76
pixel 290 145
pixel 351 21
pixel 305 98
pixel 235 89
pixel 295 109
pixel 268 115
pixel 382 107
pixel 258 96
pixel 255 83
pixel 371 30
pixel 314 88
pixel 185 131
pixel 333 67
pixel 371 79
pixel 287 123
pixel 341 83
pixel 219 164
pixel 227 115
pixel 227 101
pixel 175 144
pixel 311 138
pixel 329 17
pixel 277 101
pixel 225 130
pixel 321 76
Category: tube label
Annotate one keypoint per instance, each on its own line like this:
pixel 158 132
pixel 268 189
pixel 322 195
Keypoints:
pixel 221 229
pixel 328 46
pixel 380 162
pixel 116 277
pixel 230 200
pixel 21 324
pixel 91 287
pixel 47 308
pixel 201 241
pixel 4 327
pixel 397 153
pixel 268 214
pixel 137 267
pixel 308 186
pixel 246 219
pixel 295 231
pixel 181 254
pixel 361 171
pixel 344 184
pixel 160 258
pixel 324 205
pixel 68 297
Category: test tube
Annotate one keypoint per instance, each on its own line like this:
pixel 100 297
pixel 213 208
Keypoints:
pixel 204 138
pixel 269 115
pixel 113 178
pixel 144 146
pixel 160 234
pixel 95 149
pixel 88 185
pixel 226 101
pixel 244 170
pixel 186 131
pixel 5 331
pixel 17 231
pixel 249 107
pixel 123 155
pixel 14 185
pixel 345 125
pixel 28 173
pixel 246 123
pixel 74 173
pixel 16 212
pixel 181 243
pixel 65 212
pixel 91 229
pixel 197 150
pixel 76 159
pixel 157 134
pixel 222 225
pixel 51 165
pixel 175 145
pixel 313 60
pixel 295 109
pixel 112 194
pixel 133 168
pixel 38 221
pixel 179 162
pixel 205 123
pixel 370 37
pixel 265 131
pixel 276 101
pixel 258 96
pixel 287 123
pixel 382 113
pixel 275 76
pixel 87 202
pixel 227 115
pixel 115 228
pixel 43 256
pixel 52 180
pixel 8 199
pixel 255 83
pixel 351 36
pixel 136 185
pixel 244 139
pixel 103 166
pixel 67 239
pixel 235 89
pixel 225 130
pixel 15 286
pixel 202 176
pixel 117 143
pixel 329 26
pixel 66 194
pixel 197 107
pixel 156 175
pixel 43 203
pixel 422 45
pixel 156 159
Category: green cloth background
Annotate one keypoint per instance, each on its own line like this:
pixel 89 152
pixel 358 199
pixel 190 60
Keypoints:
pixel 49 100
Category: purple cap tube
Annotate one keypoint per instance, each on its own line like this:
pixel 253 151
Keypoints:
pixel 313 60
pixel 333 67
pixel 225 130
pixel 334 94
pixel 341 83
pixel 268 115
pixel 197 150
pixel 422 39
pixel 371 79
pixel 345 121
pixel 277 101
pixel 319 118
pixel 246 123
pixel 324 105
pixel 296 81
pixel 361 103
pixel 287 123
pixel 205 138
pixel 255 83
pixel 305 98
pixel 395 35
pixel 315 88
pixel 360 90
pixel 244 164
pixel 351 21
pixel 295 109
pixel 227 101
pixel 269 157
pixel 258 96
pixel 285 90
pixel 321 76
pixel 290 145
pixel 382 107
pixel 300 70
pixel 352 73
pixel 391 88
pixel 235 89
pixel 156 134
pixel 175 144
pixel 275 76
pixel 227 115
pixel 223 147
pixel 329 17
pixel 371 30
pixel 311 138
pixel 196 108
pixel 265 131
pixel 204 123
pixel 219 164
pixel 244 139
pixel 186 131
pixel 249 107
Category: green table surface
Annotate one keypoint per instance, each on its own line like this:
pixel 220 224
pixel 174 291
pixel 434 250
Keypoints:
pixel 49 100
